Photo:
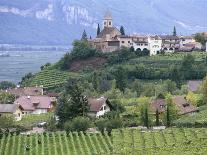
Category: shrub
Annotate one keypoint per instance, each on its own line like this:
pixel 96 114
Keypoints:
pixel 77 124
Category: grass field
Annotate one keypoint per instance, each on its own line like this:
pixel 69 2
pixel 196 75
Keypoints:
pixel 174 141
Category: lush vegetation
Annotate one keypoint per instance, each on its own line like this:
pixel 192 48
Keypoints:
pixel 173 141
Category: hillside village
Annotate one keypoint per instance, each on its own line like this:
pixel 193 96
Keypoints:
pixel 113 94
pixel 111 39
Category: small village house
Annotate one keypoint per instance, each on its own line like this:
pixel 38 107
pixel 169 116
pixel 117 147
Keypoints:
pixel 170 43
pixel 98 107
pixel 183 106
pixel 34 104
pixel 11 109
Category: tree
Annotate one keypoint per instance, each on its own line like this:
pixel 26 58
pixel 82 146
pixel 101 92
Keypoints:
pixel 168 119
pixel 174 31
pixel 122 31
pixel 204 90
pixel 137 87
pixel 6 85
pixel 95 81
pixel 6 98
pixel 169 86
pixel 146 119
pixel 187 66
pixel 201 38
pixel 77 124
pixel 84 35
pixel 157 118
pixel 45 66
pixel 121 78
pixel 6 121
pixel 98 30
pixel 72 103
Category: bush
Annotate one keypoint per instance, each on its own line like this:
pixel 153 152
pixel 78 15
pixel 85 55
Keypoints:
pixel 6 85
pixel 77 124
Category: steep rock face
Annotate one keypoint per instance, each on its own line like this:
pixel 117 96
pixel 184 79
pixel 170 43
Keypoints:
pixel 61 21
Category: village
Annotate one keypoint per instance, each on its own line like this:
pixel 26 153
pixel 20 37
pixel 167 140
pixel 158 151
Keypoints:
pixel 111 39
pixel 149 91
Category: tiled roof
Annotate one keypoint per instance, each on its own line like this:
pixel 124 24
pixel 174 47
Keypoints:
pixel 32 91
pixel 8 108
pixel 96 104
pixel 183 105
pixel 105 31
pixel 168 37
pixel 194 85
pixel 30 103
pixel 158 104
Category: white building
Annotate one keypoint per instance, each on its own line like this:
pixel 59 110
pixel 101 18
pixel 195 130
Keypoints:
pixel 98 107
pixel 155 44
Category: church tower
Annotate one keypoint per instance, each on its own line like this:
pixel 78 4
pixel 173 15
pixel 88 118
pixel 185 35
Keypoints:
pixel 107 20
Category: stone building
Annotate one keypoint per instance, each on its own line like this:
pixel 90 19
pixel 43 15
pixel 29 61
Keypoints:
pixel 107 40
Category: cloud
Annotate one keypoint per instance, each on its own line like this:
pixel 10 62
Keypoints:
pixel 46 13
pixel 16 11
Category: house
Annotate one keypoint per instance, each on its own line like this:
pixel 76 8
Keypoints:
pixel 155 44
pixel 140 42
pixel 186 40
pixel 98 107
pixel 183 106
pixel 124 40
pixel 11 109
pixel 180 102
pixel 170 43
pixel 26 91
pixel 34 104
pixel 194 85
pixel 158 104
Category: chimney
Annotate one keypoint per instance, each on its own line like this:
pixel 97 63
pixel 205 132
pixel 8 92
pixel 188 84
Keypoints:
pixel 28 97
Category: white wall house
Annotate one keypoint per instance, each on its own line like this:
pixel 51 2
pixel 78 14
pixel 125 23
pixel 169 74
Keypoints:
pixel 140 45
pixel 155 45
pixel 98 107
pixel 12 110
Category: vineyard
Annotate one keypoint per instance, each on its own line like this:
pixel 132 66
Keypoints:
pixel 173 141
pixel 52 78
pixel 59 143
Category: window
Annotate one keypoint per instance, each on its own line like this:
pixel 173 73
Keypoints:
pixel 122 42
pixel 104 107
pixel 145 44
pixel 128 41
pixel 104 23
pixel 101 109
pixel 109 23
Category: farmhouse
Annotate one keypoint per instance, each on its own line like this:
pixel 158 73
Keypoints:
pixel 180 102
pixel 34 104
pixel 98 107
pixel 170 43
pixel 11 109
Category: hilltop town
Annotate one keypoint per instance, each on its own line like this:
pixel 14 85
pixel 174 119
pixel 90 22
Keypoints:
pixel 110 39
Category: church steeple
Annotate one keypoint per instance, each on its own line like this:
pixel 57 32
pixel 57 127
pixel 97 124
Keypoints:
pixel 107 20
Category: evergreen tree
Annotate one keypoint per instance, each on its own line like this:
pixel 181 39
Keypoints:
pixel 168 120
pixel 174 31
pixel 121 78
pixel 72 103
pixel 84 36
pixel 122 31
pixel 146 123
pixel 157 118
pixel 98 30
pixel 95 81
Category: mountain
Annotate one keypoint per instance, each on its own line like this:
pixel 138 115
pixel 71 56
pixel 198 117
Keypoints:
pixel 58 22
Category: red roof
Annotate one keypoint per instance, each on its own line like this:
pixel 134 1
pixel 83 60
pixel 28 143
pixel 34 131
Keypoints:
pixel 30 103
pixel 32 91
pixel 96 104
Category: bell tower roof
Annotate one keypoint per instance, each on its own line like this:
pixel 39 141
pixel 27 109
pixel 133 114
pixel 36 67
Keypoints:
pixel 108 15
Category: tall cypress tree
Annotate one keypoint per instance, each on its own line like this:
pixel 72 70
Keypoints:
pixel 146 118
pixel 168 115
pixel 122 31
pixel 98 30
pixel 84 35
pixel 157 118
pixel 174 31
